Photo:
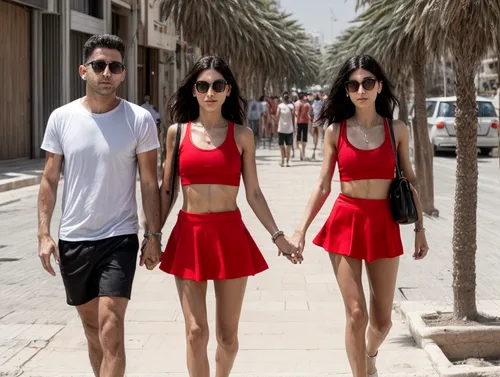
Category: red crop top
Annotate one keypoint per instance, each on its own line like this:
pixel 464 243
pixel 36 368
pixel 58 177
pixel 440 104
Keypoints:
pixel 356 164
pixel 220 165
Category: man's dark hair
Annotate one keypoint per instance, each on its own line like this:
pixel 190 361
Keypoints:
pixel 103 41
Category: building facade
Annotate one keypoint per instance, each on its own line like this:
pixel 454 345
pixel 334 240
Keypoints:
pixel 45 41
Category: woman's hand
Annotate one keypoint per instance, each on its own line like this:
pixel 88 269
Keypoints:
pixel 421 247
pixel 289 250
pixel 299 240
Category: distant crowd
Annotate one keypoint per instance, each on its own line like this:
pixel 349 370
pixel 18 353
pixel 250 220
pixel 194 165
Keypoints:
pixel 290 117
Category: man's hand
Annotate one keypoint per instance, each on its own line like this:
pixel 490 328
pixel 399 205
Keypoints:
pixel 150 252
pixel 47 247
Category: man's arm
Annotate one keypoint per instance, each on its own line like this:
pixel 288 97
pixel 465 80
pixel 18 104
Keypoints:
pixel 48 192
pixel 46 203
pixel 149 188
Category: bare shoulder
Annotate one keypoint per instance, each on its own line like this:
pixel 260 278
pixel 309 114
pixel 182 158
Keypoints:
pixel 243 133
pixel 332 132
pixel 400 129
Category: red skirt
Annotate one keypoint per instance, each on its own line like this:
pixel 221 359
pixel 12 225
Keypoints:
pixel 211 246
pixel 361 229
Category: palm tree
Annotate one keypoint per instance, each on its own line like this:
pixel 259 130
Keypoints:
pixel 468 28
pixel 259 41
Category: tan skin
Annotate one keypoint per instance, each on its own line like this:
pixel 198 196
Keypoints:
pixel 212 198
pixel 102 317
pixel 382 274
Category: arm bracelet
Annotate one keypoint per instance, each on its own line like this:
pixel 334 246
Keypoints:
pixel 149 233
pixel 276 235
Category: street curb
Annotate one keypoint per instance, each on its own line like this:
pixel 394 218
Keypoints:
pixel 422 334
pixel 18 183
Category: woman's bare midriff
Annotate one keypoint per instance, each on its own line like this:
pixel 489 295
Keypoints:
pixel 209 198
pixel 366 188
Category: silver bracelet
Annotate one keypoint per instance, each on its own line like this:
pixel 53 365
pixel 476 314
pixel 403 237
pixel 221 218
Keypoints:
pixel 156 234
pixel 276 235
pixel 417 230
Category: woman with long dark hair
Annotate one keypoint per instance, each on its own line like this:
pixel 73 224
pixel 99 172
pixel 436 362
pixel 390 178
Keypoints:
pixel 209 240
pixel 360 226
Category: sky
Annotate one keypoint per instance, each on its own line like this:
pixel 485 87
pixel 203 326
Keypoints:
pixel 316 15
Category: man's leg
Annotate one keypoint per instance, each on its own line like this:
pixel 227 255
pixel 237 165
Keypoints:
pixel 111 335
pixel 114 275
pixel 89 315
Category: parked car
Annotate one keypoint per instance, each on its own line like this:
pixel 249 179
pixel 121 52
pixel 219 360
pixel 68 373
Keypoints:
pixel 441 124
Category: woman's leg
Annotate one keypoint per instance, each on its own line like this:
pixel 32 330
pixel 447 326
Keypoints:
pixel 192 296
pixel 229 299
pixel 315 140
pixel 348 273
pixel 382 275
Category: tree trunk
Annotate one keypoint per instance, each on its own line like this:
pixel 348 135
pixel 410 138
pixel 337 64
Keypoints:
pixel 422 146
pixel 403 88
pixel 465 211
pixel 498 92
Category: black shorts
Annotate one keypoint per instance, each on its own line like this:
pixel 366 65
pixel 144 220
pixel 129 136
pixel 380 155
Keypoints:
pixel 91 269
pixel 302 132
pixel 285 139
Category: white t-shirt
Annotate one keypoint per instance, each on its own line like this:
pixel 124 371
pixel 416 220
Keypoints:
pixel 155 114
pixel 285 125
pixel 264 107
pixel 100 167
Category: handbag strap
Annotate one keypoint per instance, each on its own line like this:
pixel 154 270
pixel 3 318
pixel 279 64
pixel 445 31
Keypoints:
pixel 175 165
pixel 394 149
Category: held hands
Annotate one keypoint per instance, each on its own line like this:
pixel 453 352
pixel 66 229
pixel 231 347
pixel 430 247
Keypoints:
pixel 150 252
pixel 289 250
pixel 421 247
pixel 46 248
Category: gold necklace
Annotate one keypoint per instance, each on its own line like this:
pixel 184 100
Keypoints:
pixel 366 133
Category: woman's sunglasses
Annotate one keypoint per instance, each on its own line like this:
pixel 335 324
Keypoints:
pixel 99 66
pixel 218 86
pixel 353 86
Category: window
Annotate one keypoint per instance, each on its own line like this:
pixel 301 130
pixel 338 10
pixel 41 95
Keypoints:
pixel 430 107
pixel 447 109
pixel 486 109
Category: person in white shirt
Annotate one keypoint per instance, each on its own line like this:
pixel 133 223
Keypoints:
pixel 102 139
pixel 286 129
pixel 146 105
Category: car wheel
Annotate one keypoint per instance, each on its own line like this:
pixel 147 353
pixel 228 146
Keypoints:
pixel 435 150
pixel 485 151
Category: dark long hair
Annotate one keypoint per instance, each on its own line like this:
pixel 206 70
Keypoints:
pixel 183 106
pixel 338 106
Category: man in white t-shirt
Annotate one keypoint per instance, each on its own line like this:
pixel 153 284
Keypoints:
pixel 102 140
pixel 286 129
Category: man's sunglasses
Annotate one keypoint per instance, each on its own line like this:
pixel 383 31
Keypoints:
pixel 218 86
pixel 353 86
pixel 99 66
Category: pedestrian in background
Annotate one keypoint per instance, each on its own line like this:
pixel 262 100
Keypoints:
pixel 304 117
pixel 315 125
pixel 209 240
pixel 102 139
pixel 254 118
pixel 360 226
pixel 286 129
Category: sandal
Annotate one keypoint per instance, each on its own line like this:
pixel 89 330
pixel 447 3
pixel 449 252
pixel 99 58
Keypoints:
pixel 373 359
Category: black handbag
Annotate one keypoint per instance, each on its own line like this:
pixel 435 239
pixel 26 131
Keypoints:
pixel 174 168
pixel 403 208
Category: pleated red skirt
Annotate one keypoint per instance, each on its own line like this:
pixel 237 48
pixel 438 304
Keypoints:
pixel 361 229
pixel 211 246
